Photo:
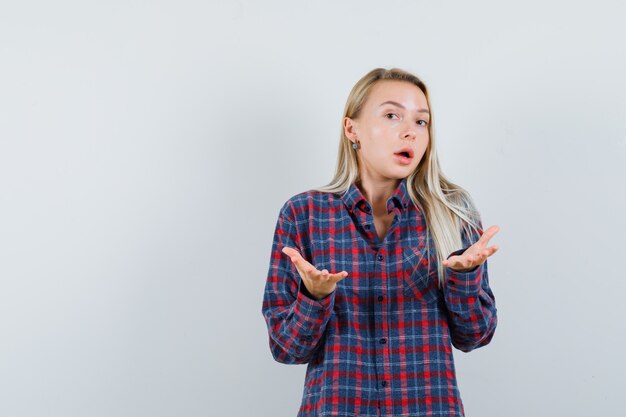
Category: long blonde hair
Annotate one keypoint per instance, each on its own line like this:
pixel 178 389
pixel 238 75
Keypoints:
pixel 449 209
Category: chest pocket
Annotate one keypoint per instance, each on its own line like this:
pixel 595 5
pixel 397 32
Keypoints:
pixel 419 276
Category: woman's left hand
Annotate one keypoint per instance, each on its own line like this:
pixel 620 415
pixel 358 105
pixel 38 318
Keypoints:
pixel 474 255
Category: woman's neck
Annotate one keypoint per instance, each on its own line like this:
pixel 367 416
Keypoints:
pixel 378 192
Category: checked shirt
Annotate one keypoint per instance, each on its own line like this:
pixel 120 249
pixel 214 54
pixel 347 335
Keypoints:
pixel 381 343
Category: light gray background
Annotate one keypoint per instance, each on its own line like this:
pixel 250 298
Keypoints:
pixel 146 148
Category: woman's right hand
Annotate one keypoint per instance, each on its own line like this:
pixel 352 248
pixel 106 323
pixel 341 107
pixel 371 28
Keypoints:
pixel 318 283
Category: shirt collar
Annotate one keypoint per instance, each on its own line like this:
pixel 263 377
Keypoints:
pixel 353 198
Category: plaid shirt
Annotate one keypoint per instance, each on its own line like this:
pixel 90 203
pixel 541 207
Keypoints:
pixel 381 343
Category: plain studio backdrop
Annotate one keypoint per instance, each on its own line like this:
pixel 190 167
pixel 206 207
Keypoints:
pixel 146 148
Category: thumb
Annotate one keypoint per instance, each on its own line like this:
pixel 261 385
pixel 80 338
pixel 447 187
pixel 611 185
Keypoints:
pixel 338 276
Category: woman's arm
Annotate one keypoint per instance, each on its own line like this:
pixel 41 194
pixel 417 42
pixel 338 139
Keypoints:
pixel 470 302
pixel 295 321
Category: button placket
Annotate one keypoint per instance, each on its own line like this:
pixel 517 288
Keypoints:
pixel 382 331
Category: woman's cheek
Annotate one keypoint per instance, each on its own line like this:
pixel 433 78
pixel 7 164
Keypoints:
pixel 377 132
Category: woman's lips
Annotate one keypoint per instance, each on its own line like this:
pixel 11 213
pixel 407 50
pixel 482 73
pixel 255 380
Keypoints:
pixel 402 159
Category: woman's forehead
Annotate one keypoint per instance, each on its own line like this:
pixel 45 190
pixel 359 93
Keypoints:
pixel 404 93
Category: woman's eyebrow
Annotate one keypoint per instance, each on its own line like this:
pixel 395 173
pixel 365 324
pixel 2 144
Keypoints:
pixel 402 107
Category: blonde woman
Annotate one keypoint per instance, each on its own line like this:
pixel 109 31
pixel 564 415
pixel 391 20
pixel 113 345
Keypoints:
pixel 375 276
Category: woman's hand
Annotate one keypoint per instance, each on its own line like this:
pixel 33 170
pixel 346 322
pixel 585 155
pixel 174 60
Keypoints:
pixel 474 255
pixel 318 283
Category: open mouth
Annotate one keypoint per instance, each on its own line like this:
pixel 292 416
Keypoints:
pixel 404 156
pixel 405 153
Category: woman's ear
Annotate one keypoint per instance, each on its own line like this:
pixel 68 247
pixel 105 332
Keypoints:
pixel 350 129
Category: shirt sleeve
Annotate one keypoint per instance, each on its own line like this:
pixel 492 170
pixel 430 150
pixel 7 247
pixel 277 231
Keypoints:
pixel 470 302
pixel 295 321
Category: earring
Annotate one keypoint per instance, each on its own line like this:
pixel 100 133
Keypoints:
pixel 356 146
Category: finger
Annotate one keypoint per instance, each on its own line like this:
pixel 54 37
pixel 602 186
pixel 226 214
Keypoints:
pixel 481 257
pixel 303 274
pixel 463 261
pixel 302 265
pixel 451 261
pixel 470 260
pixel 296 258
pixel 322 275
pixel 291 252
pixel 455 261
pixel 488 234
pixel 334 278
pixel 288 251
pixel 456 265
pixel 304 268
pixel 485 253
pixel 338 276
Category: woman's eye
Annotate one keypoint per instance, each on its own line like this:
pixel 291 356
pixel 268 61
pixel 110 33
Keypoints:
pixel 390 114
pixel 424 122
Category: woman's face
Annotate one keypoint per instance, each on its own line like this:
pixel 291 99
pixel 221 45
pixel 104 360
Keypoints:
pixel 394 118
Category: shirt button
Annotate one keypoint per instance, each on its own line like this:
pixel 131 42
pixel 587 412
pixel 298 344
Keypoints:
pixel 384 383
pixel 380 257
pixel 383 341
pixel 380 298
pixel 367 209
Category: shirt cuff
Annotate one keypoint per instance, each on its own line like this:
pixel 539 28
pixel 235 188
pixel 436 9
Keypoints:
pixel 467 282
pixel 311 313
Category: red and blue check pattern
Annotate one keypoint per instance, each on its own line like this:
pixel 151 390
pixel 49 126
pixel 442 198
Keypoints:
pixel 381 343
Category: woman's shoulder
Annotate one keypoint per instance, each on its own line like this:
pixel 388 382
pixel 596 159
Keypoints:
pixel 302 204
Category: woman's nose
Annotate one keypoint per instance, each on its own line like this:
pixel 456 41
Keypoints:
pixel 409 132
